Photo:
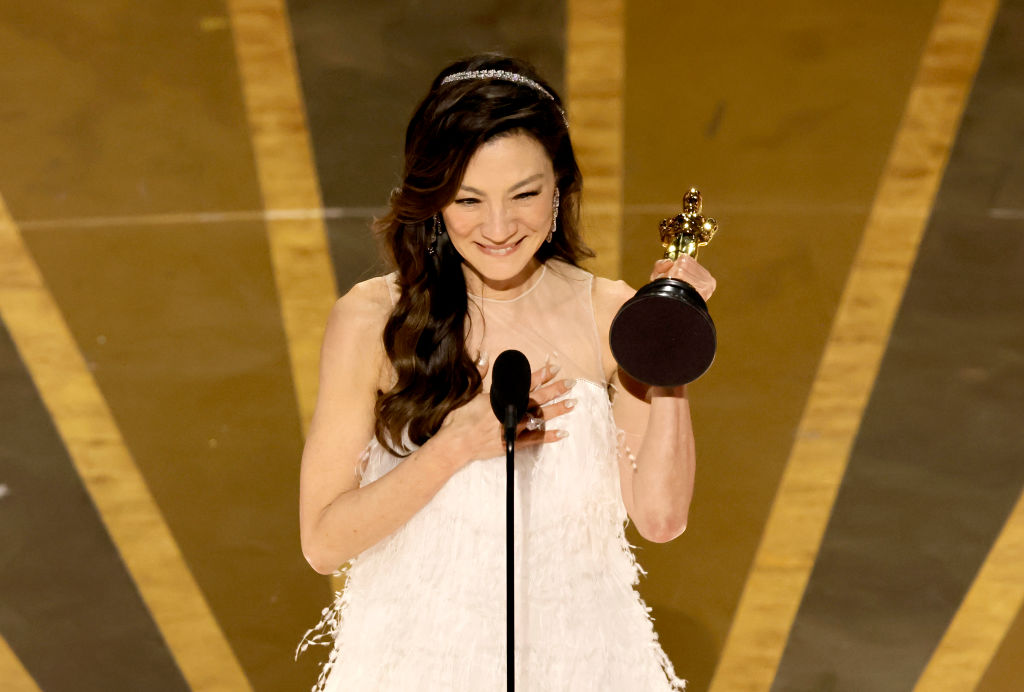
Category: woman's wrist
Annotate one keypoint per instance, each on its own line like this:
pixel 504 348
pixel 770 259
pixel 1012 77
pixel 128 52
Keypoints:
pixel 668 392
pixel 445 451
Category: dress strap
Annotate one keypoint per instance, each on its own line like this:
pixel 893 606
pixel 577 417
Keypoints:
pixel 391 281
pixel 594 332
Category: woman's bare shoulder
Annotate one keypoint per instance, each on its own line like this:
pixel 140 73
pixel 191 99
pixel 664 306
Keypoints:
pixel 357 321
pixel 609 295
pixel 353 348
pixel 366 305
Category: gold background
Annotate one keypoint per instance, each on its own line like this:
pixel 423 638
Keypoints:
pixel 177 217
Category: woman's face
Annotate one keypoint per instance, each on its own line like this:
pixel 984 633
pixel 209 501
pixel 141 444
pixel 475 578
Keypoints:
pixel 502 211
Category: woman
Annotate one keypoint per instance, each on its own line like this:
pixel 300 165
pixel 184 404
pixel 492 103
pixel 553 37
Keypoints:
pixel 483 233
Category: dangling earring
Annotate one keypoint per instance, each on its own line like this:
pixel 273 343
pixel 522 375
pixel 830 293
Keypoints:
pixel 435 231
pixel 554 217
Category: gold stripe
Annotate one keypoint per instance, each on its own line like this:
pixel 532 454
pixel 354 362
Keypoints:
pixel 849 365
pixel 985 615
pixel 13 674
pixel 288 180
pixel 107 470
pixel 595 69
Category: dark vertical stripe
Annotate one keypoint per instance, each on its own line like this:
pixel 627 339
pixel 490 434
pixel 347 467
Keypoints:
pixel 69 609
pixel 783 114
pixel 936 467
pixel 365 66
pixel 182 326
pixel 119 109
pixel 114 107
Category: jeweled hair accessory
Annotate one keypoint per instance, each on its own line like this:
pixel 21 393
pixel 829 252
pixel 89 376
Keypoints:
pixel 506 76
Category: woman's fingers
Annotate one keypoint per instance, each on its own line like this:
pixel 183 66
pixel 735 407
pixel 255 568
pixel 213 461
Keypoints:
pixel 545 393
pixel 538 417
pixel 543 409
pixel 689 270
pixel 545 374
pixel 535 437
pixel 661 268
pixel 545 386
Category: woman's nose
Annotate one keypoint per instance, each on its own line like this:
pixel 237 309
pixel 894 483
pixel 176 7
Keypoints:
pixel 500 225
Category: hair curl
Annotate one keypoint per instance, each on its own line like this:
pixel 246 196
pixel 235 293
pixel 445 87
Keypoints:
pixel 424 337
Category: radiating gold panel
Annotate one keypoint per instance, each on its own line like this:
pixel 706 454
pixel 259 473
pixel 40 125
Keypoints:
pixel 853 353
pixel 12 673
pixel 594 77
pixel 108 472
pixel 783 115
pixel 288 181
pixel 1006 669
pixel 986 613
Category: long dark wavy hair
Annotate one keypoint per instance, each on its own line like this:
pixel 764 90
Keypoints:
pixel 425 335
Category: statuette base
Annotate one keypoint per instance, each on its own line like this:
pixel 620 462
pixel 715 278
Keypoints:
pixel 663 336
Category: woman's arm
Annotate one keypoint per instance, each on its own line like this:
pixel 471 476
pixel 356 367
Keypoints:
pixel 338 519
pixel 657 460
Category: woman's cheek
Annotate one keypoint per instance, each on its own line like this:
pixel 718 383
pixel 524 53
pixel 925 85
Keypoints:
pixel 539 219
pixel 459 224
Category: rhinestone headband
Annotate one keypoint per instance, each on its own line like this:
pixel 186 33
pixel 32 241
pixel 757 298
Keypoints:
pixel 506 76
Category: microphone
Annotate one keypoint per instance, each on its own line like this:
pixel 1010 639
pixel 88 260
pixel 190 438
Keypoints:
pixel 510 390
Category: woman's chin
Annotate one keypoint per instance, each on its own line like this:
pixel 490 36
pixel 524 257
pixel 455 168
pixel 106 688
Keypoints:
pixel 506 271
pixel 500 272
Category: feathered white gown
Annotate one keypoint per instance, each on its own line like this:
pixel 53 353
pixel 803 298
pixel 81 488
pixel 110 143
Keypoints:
pixel 424 609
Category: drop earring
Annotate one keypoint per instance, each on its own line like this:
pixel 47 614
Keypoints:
pixel 554 216
pixel 435 231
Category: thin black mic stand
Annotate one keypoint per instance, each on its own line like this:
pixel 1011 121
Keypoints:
pixel 510 397
pixel 510 587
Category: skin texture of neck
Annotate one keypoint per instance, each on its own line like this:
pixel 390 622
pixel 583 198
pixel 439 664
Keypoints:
pixel 509 289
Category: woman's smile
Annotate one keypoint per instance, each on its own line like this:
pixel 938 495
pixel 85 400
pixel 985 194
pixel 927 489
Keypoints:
pixel 499 250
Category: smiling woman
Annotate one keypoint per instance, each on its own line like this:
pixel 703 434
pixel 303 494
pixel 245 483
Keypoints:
pixel 505 208
pixel 403 475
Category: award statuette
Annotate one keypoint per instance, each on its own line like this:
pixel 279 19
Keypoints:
pixel 663 336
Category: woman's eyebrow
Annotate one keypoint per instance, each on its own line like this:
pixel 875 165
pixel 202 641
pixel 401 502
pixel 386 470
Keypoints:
pixel 521 183
pixel 527 181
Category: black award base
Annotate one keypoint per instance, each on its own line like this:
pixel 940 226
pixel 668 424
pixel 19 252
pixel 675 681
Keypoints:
pixel 663 336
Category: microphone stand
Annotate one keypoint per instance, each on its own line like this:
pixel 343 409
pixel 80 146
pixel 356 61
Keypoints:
pixel 510 591
pixel 510 396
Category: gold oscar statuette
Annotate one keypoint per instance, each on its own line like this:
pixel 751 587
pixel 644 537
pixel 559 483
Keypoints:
pixel 663 336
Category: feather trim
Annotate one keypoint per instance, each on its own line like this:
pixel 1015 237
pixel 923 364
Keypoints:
pixel 424 608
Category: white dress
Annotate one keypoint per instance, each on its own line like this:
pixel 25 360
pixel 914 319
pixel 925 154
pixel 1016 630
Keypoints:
pixel 424 609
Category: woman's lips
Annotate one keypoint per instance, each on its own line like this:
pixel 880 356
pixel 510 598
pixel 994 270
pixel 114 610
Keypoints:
pixel 499 250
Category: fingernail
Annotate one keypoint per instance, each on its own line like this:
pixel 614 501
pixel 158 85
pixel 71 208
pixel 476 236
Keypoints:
pixel 553 368
pixel 570 403
pixel 563 434
pixel 568 384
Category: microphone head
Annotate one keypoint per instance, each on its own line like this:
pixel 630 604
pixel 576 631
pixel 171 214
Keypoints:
pixel 510 384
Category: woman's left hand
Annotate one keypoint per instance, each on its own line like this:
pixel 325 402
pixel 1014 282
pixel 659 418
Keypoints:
pixel 687 269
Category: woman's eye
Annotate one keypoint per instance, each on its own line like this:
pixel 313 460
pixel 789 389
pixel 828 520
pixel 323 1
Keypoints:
pixel 525 195
pixel 466 201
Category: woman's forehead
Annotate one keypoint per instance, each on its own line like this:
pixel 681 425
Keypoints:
pixel 507 158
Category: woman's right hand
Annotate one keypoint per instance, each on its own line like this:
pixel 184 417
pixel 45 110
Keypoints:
pixel 474 433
